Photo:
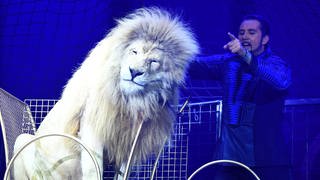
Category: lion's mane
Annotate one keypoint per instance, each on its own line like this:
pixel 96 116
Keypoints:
pixel 93 95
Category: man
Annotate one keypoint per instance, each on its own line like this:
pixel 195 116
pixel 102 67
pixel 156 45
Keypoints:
pixel 254 86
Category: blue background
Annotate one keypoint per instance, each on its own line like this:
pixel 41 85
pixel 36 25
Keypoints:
pixel 43 41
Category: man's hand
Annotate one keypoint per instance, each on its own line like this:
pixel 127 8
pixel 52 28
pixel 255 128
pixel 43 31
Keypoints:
pixel 235 47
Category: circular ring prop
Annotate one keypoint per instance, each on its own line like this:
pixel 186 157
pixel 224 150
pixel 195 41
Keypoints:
pixel 48 135
pixel 223 161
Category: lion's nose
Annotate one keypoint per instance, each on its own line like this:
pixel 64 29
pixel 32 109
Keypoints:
pixel 135 73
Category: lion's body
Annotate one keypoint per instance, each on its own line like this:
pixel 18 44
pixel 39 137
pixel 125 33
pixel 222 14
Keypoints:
pixel 131 76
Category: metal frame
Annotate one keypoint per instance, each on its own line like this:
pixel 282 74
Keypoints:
pixel 25 112
pixel 4 135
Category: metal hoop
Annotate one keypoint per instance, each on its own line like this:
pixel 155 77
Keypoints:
pixel 54 134
pixel 157 159
pixel 224 161
pixel 126 173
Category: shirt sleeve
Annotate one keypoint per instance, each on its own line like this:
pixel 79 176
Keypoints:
pixel 206 67
pixel 273 70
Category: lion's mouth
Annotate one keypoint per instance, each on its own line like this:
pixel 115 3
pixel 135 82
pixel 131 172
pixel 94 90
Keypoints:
pixel 132 81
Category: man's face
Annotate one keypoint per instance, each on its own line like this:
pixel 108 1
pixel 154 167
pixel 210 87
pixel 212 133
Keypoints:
pixel 250 36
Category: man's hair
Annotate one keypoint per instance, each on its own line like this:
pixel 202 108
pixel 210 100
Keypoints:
pixel 264 23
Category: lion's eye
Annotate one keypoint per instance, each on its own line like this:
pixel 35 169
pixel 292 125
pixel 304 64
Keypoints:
pixel 155 64
pixel 154 61
pixel 133 51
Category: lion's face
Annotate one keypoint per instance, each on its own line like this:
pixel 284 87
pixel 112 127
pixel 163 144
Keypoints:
pixel 142 68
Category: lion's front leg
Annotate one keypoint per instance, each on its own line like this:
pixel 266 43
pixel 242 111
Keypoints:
pixel 89 138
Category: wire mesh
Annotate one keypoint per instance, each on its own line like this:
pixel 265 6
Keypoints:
pixel 39 108
pixel 15 119
pixel 173 162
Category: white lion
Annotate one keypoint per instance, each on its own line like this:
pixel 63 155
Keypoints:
pixel 131 76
